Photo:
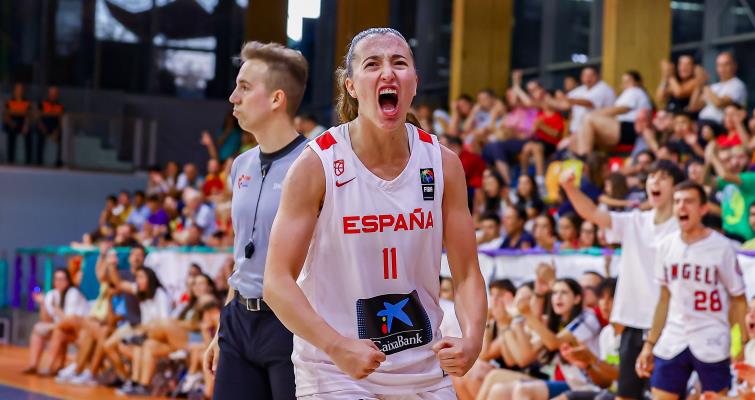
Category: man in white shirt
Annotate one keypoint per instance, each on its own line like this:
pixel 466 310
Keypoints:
pixel 593 94
pixel 612 126
pixel 638 232
pixel 489 235
pixel 728 90
pixel 700 280
pixel 307 125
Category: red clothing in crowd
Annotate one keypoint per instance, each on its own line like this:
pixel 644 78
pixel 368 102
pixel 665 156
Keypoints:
pixel 473 166
pixel 554 121
pixel 213 184
pixel 729 140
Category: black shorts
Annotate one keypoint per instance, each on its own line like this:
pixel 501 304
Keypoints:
pixel 627 134
pixel 630 385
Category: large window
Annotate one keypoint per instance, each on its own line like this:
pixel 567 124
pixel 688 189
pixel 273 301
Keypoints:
pixel 737 17
pixel 573 44
pixel 525 44
pixel 687 21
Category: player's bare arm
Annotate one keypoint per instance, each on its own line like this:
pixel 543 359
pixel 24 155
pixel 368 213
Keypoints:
pixel 458 355
pixel 582 204
pixel 645 360
pixel 303 191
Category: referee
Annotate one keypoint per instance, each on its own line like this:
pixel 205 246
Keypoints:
pixel 251 354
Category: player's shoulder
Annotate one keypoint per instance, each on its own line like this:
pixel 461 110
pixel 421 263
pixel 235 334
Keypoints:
pixel 330 138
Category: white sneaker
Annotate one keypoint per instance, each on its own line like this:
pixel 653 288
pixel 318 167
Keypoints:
pixel 66 374
pixel 84 379
pixel 189 381
pixel 178 355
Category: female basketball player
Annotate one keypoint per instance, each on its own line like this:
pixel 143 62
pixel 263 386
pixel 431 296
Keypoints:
pixel 363 217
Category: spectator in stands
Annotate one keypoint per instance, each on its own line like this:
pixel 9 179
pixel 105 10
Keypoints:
pixel 566 322
pixel 615 192
pixel 63 300
pixel 154 305
pixel 221 278
pixel 513 224
pixel 189 178
pixel 588 235
pixel 678 84
pixel 228 139
pixel 590 281
pixel 549 127
pixel 125 236
pixel 594 173
pixel 168 335
pixel 614 125
pixel 123 208
pixel 638 232
pixel 50 125
pixel 483 118
pixel 209 320
pixel 738 189
pixel 307 125
pixel 16 122
pixel 106 215
pixel 140 212
pixel 593 94
pixel 424 115
pixel 214 181
pixel 171 174
pixel 494 196
pixel 750 244
pixel 473 164
pixel 489 236
pixel 157 215
pixel 460 112
pixel 568 231
pixel 196 213
pixel 156 183
pixel 728 90
pixel 600 368
pixel 528 197
pixel 685 135
pixel 735 131
pixel 502 294
pixel 544 233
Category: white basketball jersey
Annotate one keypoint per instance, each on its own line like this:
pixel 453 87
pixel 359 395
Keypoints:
pixel 373 265
pixel 701 277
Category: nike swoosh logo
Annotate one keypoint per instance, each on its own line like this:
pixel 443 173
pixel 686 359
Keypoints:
pixel 339 184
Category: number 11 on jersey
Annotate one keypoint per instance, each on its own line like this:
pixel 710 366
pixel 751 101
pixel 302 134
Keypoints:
pixel 389 263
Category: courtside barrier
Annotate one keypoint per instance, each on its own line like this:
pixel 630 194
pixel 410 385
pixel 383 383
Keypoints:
pixel 172 264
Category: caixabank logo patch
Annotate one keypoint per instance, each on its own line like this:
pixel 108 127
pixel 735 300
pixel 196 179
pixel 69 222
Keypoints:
pixel 395 322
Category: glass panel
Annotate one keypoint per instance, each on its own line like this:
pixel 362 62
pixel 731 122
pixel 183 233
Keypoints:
pixel 687 21
pixel 737 17
pixel 105 143
pixel 572 44
pixel 525 44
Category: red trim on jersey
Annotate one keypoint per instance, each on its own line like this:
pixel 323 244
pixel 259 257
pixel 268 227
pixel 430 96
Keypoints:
pixel 424 136
pixel 325 141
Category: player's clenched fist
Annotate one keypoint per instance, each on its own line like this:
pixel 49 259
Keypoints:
pixel 456 355
pixel 356 357
pixel 644 365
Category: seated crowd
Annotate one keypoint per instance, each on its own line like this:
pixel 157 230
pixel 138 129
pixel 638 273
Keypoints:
pixel 546 338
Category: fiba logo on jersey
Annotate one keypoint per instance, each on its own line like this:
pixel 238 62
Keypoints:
pixel 338 167
pixel 427 181
pixel 394 322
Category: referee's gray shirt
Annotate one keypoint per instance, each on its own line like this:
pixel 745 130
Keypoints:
pixel 247 180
